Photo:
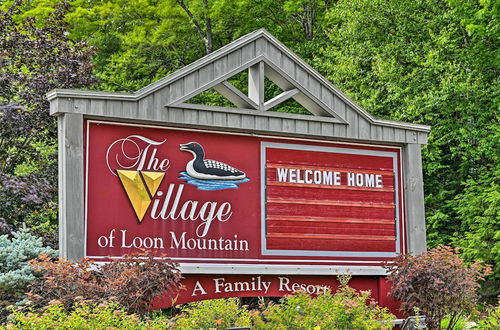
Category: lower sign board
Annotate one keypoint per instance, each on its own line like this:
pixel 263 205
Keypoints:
pixel 220 201
pixel 200 287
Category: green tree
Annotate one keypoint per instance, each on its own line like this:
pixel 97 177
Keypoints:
pixel 434 62
pixel 35 57
pixel 139 42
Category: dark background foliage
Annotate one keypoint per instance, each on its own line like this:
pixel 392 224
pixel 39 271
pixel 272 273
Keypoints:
pixel 36 56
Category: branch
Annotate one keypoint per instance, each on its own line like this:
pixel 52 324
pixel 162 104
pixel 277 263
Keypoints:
pixel 208 29
pixel 193 19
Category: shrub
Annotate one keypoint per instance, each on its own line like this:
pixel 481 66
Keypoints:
pixel 36 57
pixel 438 283
pixel 83 316
pixel 15 272
pixel 492 319
pixel 213 314
pixel 346 309
pixel 133 281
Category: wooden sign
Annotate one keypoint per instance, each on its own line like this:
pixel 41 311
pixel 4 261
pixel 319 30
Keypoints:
pixel 248 200
pixel 223 198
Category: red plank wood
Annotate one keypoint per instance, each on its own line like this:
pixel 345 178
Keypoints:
pixel 328 211
pixel 326 219
pixel 306 185
pixel 331 169
pixel 328 159
pixel 277 192
pixel 324 236
pixel 286 243
pixel 293 227
pixel 332 203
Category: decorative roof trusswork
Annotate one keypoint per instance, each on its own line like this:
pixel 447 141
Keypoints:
pixel 263 56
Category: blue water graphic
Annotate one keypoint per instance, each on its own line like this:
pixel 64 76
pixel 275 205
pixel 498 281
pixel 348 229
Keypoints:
pixel 209 185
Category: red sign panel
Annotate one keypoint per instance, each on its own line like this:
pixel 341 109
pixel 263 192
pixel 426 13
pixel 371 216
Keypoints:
pixel 201 287
pixel 236 199
pixel 327 200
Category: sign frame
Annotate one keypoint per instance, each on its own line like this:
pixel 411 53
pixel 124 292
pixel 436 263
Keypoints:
pixel 263 266
pixel 336 119
pixel 399 222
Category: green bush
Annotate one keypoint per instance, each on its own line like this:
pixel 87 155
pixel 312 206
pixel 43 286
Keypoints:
pixel 346 309
pixel 213 314
pixel 492 319
pixel 84 316
pixel 15 272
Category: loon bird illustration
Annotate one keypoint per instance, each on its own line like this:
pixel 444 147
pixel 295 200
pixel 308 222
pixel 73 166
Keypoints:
pixel 208 169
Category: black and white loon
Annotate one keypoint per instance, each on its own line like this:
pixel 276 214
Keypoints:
pixel 208 169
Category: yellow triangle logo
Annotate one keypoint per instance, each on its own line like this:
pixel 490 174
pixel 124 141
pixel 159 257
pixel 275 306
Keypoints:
pixel 152 180
pixel 140 188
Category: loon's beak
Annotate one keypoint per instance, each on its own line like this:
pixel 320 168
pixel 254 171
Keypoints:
pixel 184 147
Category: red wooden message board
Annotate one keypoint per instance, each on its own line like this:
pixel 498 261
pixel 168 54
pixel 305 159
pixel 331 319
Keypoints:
pixel 201 286
pixel 327 200
pixel 286 202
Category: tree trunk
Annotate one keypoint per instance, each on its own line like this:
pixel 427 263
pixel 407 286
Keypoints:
pixel 209 41
pixel 205 36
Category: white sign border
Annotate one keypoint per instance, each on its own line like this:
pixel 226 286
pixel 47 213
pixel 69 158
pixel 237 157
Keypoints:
pixel 314 253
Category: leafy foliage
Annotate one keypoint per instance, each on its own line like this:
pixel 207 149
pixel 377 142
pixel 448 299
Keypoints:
pixel 434 62
pixel 84 316
pixel 438 283
pixel 480 208
pixel 213 314
pixel 346 309
pixel 15 272
pixel 133 282
pixel 492 319
pixel 36 57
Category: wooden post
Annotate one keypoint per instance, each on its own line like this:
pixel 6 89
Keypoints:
pixel 71 186
pixel 414 194
pixel 256 84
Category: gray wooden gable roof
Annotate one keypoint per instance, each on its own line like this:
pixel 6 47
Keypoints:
pixel 335 115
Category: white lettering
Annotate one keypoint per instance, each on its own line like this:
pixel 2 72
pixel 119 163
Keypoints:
pixel 182 242
pixel 188 210
pixel 219 283
pixel 102 241
pixel 176 242
pixel 132 153
pixel 369 180
pixel 320 177
pixel 266 285
pixel 299 179
pixel 327 177
pixel 284 284
pixel 336 178
pixel 282 173
pixel 198 287
pixel 308 176
pixel 105 241
pixel 141 242
pixel 359 179
pixel 350 179
pixel 317 177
